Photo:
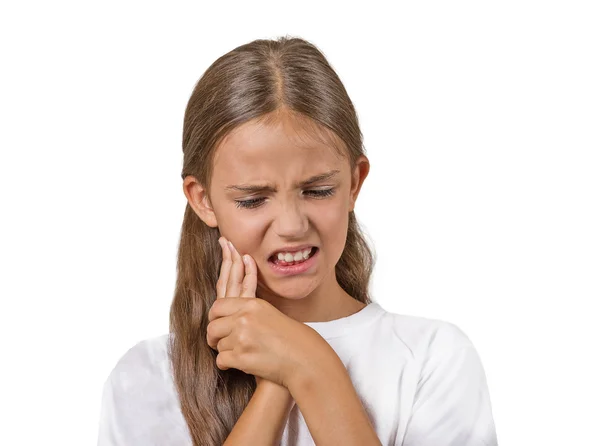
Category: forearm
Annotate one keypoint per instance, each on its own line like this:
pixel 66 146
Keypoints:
pixel 331 407
pixel 263 419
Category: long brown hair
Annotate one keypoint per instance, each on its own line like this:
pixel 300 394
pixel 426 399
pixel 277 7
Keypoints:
pixel 253 81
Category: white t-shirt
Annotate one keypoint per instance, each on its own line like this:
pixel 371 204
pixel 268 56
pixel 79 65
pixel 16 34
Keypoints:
pixel 420 380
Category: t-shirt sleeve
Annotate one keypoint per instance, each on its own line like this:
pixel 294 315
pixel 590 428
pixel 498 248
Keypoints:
pixel 127 416
pixel 452 404
pixel 111 427
pixel 138 407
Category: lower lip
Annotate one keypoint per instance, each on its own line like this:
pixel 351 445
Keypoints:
pixel 294 269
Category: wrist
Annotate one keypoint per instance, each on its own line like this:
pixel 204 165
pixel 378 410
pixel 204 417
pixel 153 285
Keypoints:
pixel 274 390
pixel 276 395
pixel 315 355
pixel 323 368
pixel 318 371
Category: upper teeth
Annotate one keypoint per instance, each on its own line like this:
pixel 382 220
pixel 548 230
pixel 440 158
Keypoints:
pixel 294 257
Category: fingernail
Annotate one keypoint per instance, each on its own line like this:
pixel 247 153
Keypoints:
pixel 231 246
pixel 246 261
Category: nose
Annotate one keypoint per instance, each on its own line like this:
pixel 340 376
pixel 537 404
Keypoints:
pixel 291 221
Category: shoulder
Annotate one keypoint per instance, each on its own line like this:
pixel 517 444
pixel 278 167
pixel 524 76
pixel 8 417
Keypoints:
pixel 139 401
pixel 451 402
pixel 144 364
pixel 426 337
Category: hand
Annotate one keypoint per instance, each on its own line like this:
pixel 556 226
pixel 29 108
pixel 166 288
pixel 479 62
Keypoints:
pixel 228 283
pixel 252 335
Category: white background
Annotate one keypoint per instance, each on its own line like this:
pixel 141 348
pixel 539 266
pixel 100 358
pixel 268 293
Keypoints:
pixel 481 121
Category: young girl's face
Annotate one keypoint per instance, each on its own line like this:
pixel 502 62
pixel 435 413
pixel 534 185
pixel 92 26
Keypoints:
pixel 260 222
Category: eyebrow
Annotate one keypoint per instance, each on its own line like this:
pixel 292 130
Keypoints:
pixel 271 188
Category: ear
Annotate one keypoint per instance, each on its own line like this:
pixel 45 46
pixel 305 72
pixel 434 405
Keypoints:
pixel 361 170
pixel 199 200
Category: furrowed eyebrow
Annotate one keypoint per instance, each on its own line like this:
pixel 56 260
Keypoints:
pixel 271 188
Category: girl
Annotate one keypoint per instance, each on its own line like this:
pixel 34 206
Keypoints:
pixel 274 338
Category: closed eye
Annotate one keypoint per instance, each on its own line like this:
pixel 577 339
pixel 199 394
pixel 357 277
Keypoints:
pixel 256 202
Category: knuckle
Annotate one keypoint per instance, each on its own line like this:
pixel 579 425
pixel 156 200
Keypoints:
pixel 244 340
pixel 254 304
pixel 244 320
pixel 215 307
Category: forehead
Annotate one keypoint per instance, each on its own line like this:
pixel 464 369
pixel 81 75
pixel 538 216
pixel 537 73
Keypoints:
pixel 282 146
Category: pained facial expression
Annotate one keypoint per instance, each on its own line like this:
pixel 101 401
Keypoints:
pixel 281 155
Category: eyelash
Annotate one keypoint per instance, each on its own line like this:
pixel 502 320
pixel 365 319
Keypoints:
pixel 256 202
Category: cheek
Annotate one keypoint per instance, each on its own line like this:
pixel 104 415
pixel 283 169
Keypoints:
pixel 333 224
pixel 238 230
pixel 248 233
pixel 335 212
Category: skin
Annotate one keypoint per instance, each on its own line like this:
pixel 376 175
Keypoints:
pixel 266 337
pixel 252 335
pixel 263 419
pixel 279 154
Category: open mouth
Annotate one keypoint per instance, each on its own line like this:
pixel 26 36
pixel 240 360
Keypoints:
pixel 276 261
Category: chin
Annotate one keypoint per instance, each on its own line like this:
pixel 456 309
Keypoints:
pixel 289 291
